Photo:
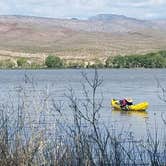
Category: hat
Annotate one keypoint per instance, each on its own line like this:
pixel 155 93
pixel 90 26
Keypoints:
pixel 130 100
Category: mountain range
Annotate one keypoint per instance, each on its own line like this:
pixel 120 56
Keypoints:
pixel 73 39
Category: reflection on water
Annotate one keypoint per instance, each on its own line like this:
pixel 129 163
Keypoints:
pixel 143 114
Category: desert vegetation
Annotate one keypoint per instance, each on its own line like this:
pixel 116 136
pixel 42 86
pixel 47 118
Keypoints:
pixel 37 130
pixel 54 62
pixel 150 60
pixel 7 63
pixel 22 62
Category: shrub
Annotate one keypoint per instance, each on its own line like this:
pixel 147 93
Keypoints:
pixel 54 62
pixel 108 62
pixel 21 62
pixel 115 62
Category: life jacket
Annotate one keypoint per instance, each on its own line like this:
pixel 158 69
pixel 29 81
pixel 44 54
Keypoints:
pixel 123 102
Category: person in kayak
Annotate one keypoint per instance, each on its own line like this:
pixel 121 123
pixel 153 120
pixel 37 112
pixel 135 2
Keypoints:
pixel 124 103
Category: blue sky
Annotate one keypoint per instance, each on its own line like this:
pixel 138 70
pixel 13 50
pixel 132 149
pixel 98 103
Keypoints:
pixel 142 9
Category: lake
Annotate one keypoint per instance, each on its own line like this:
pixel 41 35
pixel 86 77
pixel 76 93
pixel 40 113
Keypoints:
pixel 140 84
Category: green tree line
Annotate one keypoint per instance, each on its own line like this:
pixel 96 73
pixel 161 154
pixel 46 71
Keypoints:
pixel 150 60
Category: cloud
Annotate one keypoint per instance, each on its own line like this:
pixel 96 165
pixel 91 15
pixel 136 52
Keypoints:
pixel 157 2
pixel 84 8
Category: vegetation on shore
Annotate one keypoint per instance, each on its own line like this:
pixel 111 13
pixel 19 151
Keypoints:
pixel 54 62
pixel 150 60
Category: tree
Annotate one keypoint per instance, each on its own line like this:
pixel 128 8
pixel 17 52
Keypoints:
pixel 22 62
pixel 54 62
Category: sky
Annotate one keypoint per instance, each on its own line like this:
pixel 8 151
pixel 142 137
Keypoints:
pixel 82 9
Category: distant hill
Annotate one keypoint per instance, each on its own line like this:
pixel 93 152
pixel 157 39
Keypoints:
pixel 80 40
pixel 110 17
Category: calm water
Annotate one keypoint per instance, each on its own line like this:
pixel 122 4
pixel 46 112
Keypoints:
pixel 140 84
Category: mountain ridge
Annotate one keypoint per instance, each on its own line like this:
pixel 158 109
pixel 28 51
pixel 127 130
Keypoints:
pixel 115 21
pixel 75 39
pixel 108 17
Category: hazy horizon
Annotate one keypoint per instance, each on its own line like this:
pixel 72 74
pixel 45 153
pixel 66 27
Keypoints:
pixel 83 9
pixel 77 18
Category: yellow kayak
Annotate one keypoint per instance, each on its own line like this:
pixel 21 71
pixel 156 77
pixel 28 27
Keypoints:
pixel 135 107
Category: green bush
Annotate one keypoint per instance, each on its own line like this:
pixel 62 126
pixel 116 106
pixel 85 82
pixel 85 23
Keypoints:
pixel 115 62
pixel 22 62
pixel 54 62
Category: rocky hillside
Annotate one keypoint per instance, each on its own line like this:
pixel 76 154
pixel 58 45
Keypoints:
pixel 80 40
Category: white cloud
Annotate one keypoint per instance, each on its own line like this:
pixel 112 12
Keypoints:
pixel 158 2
